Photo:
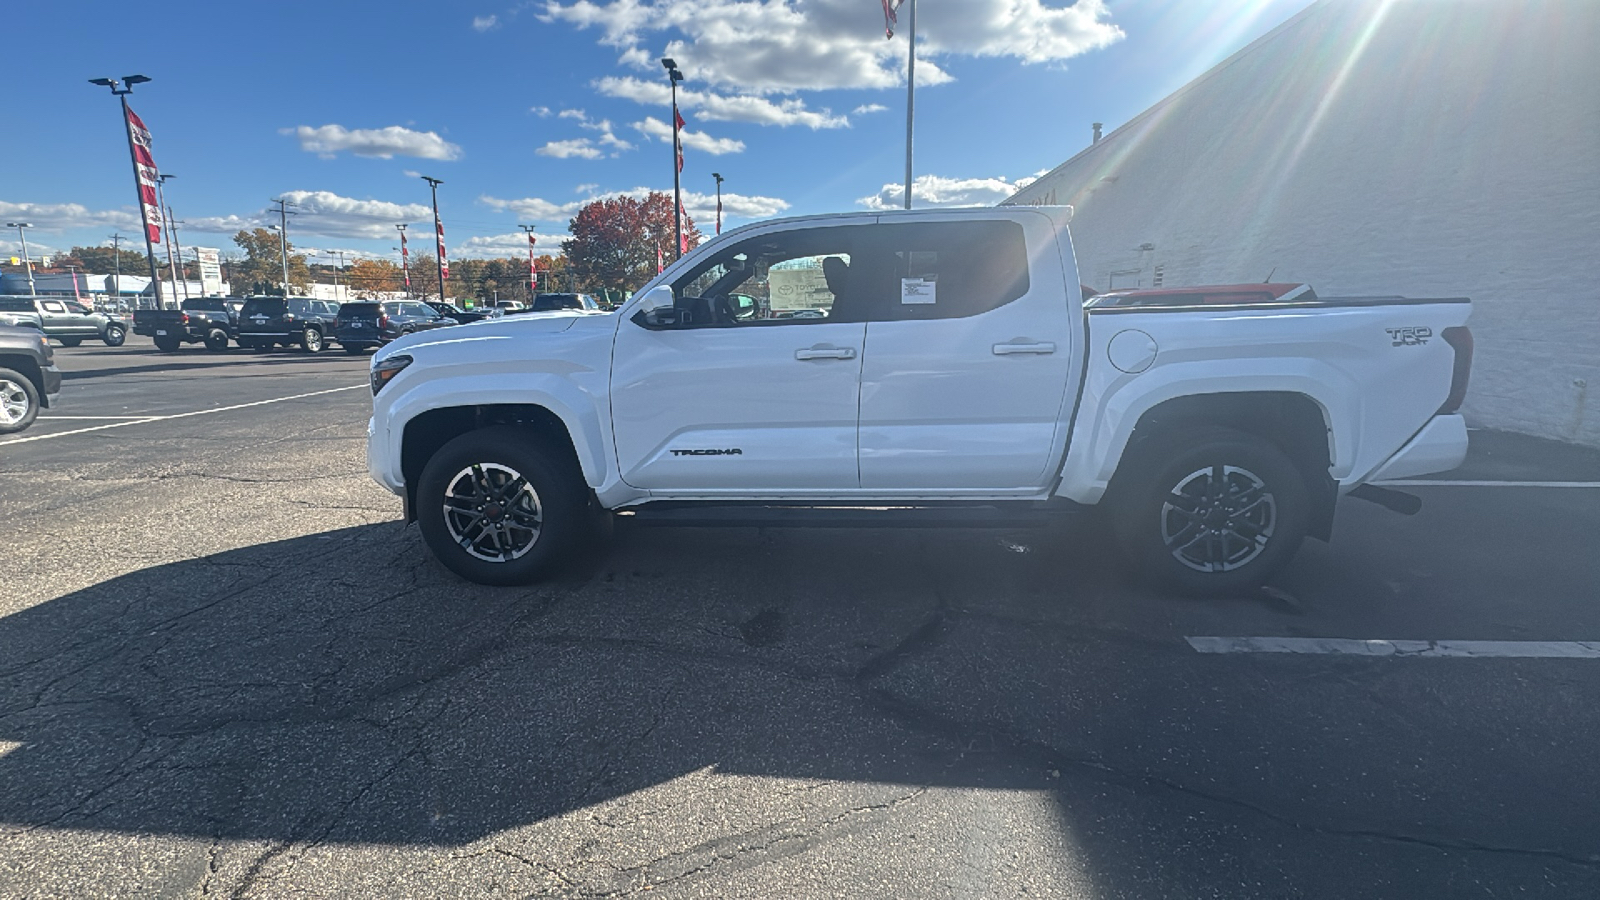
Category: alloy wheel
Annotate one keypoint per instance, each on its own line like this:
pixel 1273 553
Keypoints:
pixel 492 512
pixel 14 403
pixel 1218 519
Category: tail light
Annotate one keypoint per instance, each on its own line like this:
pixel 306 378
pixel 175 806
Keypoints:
pixel 383 321
pixel 1460 339
pixel 183 318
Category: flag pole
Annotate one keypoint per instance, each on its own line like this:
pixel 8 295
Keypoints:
pixel 911 97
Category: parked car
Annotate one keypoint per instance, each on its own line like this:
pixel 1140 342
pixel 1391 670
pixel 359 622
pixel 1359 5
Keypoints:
pixel 508 307
pixel 265 322
pixel 29 379
pixel 957 373
pixel 20 311
pixel 67 321
pixel 365 325
pixel 197 319
pixel 463 316
pixel 548 302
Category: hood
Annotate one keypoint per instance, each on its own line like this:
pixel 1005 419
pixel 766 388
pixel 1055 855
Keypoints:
pixel 488 332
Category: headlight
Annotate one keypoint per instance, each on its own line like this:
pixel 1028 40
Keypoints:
pixel 383 372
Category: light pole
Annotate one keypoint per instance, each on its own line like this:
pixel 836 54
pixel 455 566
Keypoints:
pixel 19 226
pixel 405 261
pixel 718 177
pixel 673 77
pixel 161 198
pixel 116 258
pixel 438 228
pixel 149 246
pixel 911 97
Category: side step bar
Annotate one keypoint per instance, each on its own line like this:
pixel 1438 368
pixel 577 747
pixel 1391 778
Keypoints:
pixel 954 515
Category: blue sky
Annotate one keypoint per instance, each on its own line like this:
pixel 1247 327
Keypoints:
pixel 527 109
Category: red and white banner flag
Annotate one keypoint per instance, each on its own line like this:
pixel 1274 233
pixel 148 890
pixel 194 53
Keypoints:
pixel 683 233
pixel 889 19
pixel 661 263
pixel 677 142
pixel 444 261
pixel 145 164
pixel 405 261
pixel 533 270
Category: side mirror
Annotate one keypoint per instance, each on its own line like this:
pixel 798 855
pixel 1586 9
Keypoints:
pixel 656 308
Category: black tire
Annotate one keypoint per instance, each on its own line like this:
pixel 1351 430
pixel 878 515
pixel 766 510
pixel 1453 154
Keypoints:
pixel 168 344
pixel 352 350
pixel 1243 514
pixel 311 340
pixel 115 335
pixel 550 497
pixel 216 340
pixel 19 401
pixel 70 341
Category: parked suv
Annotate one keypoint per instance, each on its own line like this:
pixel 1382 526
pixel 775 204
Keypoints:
pixel 364 325
pixel 547 302
pixel 29 378
pixel 66 320
pixel 268 321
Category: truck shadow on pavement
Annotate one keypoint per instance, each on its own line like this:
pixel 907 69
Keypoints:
pixel 340 687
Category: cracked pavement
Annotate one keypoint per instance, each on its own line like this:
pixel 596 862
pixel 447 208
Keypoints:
pixel 227 670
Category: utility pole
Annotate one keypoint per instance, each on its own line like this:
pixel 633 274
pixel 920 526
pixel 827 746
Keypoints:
pixel 911 97
pixel 283 240
pixel 718 177
pixel 26 261
pixel 116 256
pixel 405 261
pixel 438 228
pixel 138 180
pixel 161 200
pixel 533 269
pixel 673 77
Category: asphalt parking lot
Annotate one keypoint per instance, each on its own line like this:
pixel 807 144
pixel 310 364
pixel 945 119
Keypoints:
pixel 227 669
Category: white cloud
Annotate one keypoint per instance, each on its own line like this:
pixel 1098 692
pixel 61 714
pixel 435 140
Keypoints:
pixel 584 188
pixel 937 190
pixel 692 140
pixel 514 245
pixel 323 214
pixel 578 114
pixel 383 143
pixel 868 108
pixel 723 107
pixel 55 217
pixel 582 148
pixel 542 112
pixel 792 45
pixel 484 23
pixel 702 207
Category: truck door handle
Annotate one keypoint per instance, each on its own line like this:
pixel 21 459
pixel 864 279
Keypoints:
pixel 826 353
pixel 1041 347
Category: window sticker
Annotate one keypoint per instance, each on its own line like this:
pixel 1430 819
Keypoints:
pixel 919 290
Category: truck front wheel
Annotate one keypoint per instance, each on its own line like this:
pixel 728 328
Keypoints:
pixel 1219 515
pixel 311 340
pixel 500 506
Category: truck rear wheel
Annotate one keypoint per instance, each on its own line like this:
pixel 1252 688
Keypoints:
pixel 216 340
pixel 70 341
pixel 115 335
pixel 1218 515
pixel 168 343
pixel 19 401
pixel 500 506
pixel 311 340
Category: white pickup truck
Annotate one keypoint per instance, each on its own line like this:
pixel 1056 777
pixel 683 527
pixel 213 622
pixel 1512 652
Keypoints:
pixel 936 365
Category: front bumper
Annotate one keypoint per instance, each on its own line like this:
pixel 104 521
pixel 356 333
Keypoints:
pixel 1440 446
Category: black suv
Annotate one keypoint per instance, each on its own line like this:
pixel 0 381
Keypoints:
pixel 265 321
pixel 365 325
pixel 548 302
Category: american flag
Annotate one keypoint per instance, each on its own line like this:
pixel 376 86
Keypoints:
pixel 889 20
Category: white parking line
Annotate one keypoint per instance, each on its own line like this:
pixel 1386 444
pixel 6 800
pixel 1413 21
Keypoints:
pixel 182 415
pixel 1423 482
pixel 1431 649
pixel 96 418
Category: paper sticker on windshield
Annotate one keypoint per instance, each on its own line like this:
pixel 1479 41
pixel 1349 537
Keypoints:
pixel 918 290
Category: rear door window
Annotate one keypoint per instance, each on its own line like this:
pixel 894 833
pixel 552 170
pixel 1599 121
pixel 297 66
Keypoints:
pixel 943 270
